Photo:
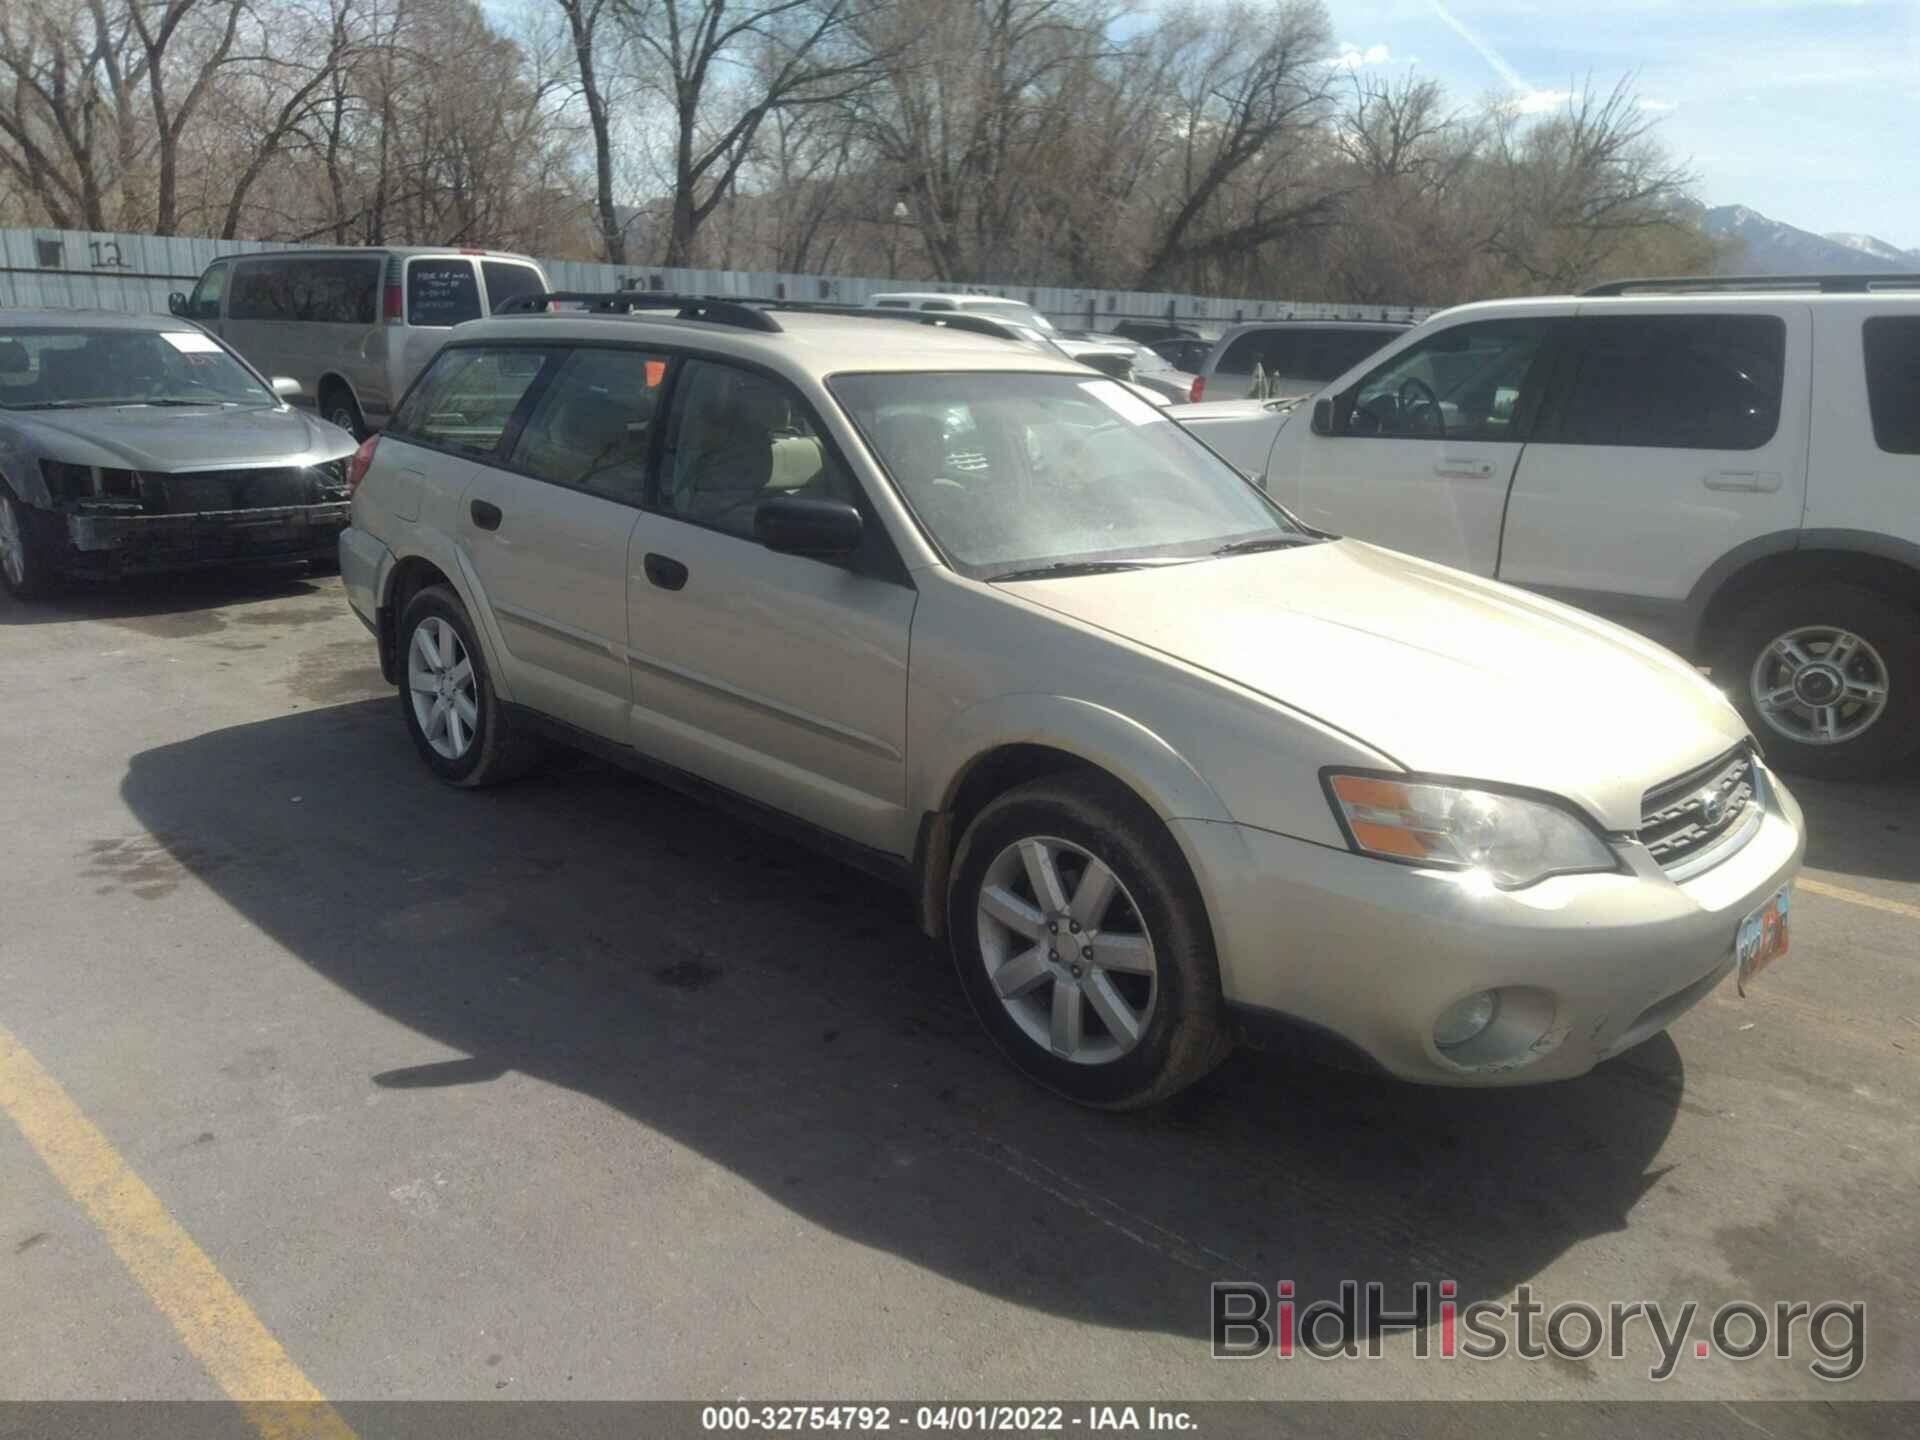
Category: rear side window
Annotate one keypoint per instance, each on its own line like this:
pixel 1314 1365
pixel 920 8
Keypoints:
pixel 591 427
pixel 261 291
pixel 506 279
pixel 1272 350
pixel 1682 382
pixel 442 292
pixel 1893 381
pixel 328 291
pixel 467 397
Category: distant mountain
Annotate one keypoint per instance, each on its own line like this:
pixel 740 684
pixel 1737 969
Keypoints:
pixel 1772 247
pixel 1879 249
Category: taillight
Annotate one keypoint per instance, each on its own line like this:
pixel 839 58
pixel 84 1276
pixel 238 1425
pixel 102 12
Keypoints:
pixel 1199 389
pixel 390 305
pixel 362 458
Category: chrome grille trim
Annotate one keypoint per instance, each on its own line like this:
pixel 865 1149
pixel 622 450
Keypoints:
pixel 1686 817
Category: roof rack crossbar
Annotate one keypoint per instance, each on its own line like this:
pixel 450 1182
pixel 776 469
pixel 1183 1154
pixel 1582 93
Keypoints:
pixel 1825 284
pixel 742 314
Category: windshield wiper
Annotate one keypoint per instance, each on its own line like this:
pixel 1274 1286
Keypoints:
pixel 1265 542
pixel 1061 568
pixel 174 400
pixel 59 405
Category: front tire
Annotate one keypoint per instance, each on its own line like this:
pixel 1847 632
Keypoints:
pixel 28 565
pixel 447 697
pixel 1828 677
pixel 1083 945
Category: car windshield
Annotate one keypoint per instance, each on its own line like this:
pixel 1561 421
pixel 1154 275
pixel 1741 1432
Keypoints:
pixel 50 369
pixel 1019 472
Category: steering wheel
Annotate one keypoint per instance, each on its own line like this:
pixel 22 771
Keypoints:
pixel 1431 402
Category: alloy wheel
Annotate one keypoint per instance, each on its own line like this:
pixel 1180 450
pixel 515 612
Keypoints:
pixel 1066 951
pixel 442 688
pixel 1819 685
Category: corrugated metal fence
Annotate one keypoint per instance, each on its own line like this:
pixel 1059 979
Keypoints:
pixel 136 272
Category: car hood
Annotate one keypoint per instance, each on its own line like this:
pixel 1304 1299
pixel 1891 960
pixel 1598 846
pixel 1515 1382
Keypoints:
pixel 200 437
pixel 1442 672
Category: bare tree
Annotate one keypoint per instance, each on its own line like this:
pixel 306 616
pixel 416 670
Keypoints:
pixel 724 70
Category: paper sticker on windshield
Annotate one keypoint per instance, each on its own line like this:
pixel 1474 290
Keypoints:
pixel 1122 401
pixel 190 342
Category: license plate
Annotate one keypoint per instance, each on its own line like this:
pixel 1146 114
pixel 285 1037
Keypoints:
pixel 1762 939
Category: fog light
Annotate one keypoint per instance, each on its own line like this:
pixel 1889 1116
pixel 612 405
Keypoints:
pixel 1464 1019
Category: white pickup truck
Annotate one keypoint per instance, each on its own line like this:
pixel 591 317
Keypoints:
pixel 1731 467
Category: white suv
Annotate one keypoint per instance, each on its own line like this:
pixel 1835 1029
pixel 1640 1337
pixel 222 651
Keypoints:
pixel 1731 467
pixel 1164 767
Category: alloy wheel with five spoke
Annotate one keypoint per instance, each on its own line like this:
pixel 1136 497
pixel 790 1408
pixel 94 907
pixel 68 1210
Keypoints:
pixel 1065 950
pixel 442 689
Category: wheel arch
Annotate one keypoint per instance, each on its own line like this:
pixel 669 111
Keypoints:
pixel 1007 742
pixel 1881 563
pixel 405 577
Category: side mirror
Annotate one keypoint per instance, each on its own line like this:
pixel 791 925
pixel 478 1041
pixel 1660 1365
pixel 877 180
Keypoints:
pixel 285 386
pixel 177 303
pixel 801 525
pixel 1322 422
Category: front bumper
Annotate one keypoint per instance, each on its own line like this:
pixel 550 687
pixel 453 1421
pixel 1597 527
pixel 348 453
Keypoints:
pixel 1368 954
pixel 112 544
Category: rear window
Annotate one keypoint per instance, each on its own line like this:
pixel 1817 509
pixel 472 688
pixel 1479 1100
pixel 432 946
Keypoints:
pixel 467 396
pixel 1681 382
pixel 1892 346
pixel 442 292
pixel 505 279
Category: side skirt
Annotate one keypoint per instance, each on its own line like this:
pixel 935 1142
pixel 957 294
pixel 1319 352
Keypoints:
pixel 895 870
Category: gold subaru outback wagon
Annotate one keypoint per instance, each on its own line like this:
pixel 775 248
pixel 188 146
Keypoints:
pixel 1165 768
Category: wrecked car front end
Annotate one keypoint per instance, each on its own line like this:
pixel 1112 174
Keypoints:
pixel 121 521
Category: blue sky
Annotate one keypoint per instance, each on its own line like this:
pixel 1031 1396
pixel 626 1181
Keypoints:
pixel 1808 112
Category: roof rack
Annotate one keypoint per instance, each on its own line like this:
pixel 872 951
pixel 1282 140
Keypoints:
pixel 743 314
pixel 1825 284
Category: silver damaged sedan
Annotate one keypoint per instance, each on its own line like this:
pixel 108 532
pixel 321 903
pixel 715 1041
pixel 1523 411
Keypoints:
pixel 1164 768
pixel 136 443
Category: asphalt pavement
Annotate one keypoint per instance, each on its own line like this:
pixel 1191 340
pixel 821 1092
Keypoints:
pixel 576 1089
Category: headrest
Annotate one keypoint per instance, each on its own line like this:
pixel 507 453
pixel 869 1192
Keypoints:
pixel 14 359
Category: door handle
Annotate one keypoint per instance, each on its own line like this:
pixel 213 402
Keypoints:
pixel 664 571
pixel 1459 469
pixel 1750 480
pixel 486 516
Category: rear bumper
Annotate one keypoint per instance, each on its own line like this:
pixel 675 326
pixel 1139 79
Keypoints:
pixel 130 544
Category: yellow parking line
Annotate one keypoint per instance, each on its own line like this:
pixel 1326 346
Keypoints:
pixel 210 1317
pixel 1857 897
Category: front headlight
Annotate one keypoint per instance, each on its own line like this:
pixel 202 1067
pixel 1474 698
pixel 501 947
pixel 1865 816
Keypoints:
pixel 1511 840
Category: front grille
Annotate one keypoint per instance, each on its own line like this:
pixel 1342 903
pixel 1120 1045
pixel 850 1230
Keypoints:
pixel 1687 815
pixel 182 493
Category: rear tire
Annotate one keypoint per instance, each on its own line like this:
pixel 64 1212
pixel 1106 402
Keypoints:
pixel 447 698
pixel 29 549
pixel 338 405
pixel 1827 676
pixel 1126 1011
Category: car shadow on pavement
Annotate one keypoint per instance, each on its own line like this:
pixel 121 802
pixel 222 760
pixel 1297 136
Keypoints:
pixel 1866 828
pixel 782 1016
pixel 158 598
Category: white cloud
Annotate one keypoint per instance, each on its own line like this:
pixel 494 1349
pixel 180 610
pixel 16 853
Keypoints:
pixel 1539 102
pixel 1658 106
pixel 1353 57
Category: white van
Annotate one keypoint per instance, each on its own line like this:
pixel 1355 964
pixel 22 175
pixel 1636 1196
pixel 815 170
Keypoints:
pixel 1730 466
pixel 353 326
